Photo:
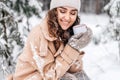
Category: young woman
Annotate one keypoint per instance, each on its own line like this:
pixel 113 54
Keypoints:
pixel 51 49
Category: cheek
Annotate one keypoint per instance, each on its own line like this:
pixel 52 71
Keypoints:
pixel 73 19
pixel 60 16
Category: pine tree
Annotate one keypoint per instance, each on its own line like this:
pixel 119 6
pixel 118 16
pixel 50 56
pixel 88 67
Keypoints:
pixel 112 30
pixel 12 13
pixel 9 36
pixel 113 27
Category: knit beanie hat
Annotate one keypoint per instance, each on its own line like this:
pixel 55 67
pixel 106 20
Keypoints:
pixel 72 3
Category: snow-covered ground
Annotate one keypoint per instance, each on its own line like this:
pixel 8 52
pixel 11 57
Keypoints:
pixel 101 62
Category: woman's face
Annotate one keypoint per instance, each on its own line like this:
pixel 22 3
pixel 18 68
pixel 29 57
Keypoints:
pixel 66 16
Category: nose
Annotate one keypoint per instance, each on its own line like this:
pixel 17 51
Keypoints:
pixel 67 17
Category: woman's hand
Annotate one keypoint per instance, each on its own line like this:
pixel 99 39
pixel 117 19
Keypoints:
pixel 80 40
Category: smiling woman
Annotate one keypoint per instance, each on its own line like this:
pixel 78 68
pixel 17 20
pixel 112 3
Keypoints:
pixel 52 50
pixel 66 16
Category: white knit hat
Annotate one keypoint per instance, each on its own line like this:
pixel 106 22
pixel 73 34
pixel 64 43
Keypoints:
pixel 72 3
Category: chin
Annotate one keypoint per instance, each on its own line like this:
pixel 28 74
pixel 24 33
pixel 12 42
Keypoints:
pixel 65 27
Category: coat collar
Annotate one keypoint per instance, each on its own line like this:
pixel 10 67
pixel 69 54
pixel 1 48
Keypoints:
pixel 45 32
pixel 45 39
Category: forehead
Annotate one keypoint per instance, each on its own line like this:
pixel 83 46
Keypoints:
pixel 68 8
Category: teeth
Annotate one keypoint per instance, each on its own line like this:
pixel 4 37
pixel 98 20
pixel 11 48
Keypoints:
pixel 65 22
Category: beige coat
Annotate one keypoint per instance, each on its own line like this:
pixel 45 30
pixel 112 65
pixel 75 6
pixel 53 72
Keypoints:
pixel 40 60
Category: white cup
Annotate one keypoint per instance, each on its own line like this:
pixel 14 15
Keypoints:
pixel 81 28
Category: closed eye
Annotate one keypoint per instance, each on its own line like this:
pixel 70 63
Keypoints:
pixel 62 11
pixel 73 12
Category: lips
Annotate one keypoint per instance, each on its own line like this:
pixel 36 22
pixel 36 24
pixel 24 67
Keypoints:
pixel 65 23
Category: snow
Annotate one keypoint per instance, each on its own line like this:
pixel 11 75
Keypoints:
pixel 101 62
pixel 113 6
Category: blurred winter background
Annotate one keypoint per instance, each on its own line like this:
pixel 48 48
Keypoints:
pixel 102 58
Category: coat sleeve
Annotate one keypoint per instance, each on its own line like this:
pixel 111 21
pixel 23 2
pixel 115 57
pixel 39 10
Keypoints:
pixel 50 67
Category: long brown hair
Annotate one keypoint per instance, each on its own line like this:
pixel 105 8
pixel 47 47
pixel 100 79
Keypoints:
pixel 55 29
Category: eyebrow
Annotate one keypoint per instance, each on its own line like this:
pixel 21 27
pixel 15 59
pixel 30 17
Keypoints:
pixel 66 8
